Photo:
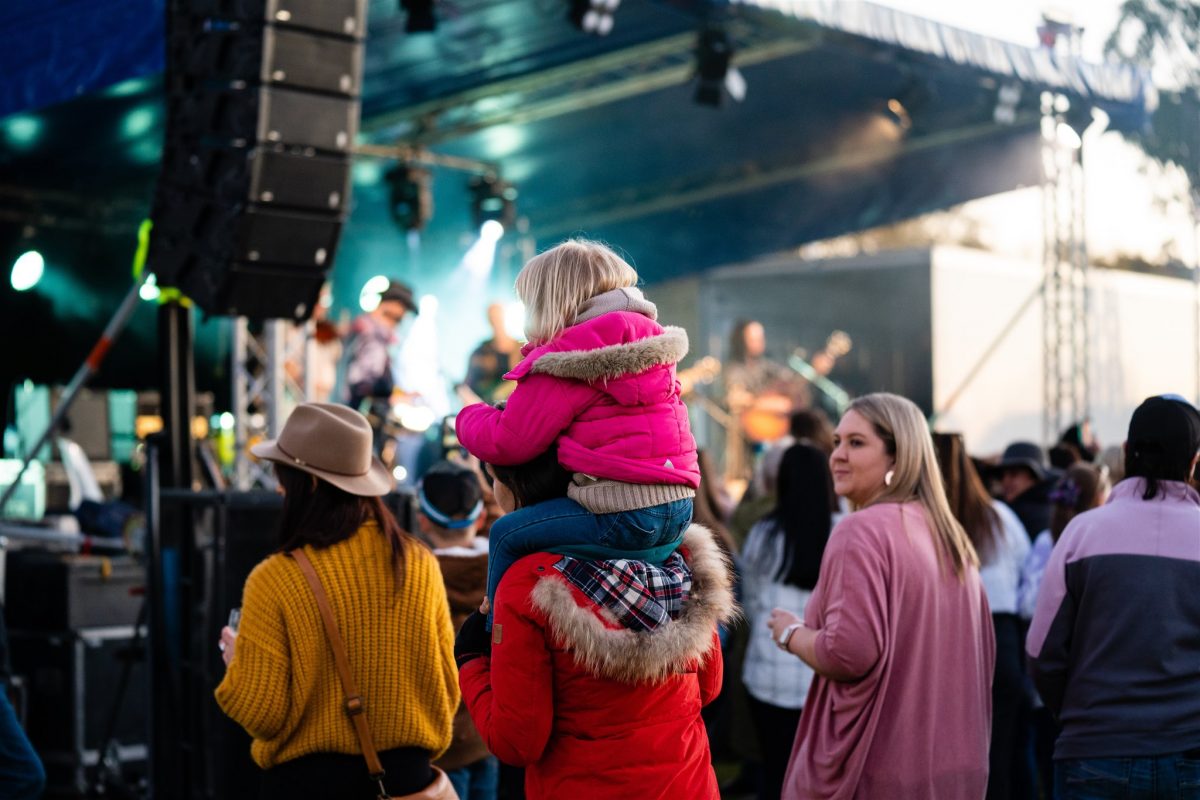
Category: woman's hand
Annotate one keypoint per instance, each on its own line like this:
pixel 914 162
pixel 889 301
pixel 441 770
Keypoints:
pixel 780 618
pixel 225 645
pixel 485 607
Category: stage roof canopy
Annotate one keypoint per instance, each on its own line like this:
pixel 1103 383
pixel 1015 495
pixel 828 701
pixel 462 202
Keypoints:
pixel 599 134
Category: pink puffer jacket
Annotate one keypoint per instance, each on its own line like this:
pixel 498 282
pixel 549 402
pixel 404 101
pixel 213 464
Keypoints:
pixel 605 390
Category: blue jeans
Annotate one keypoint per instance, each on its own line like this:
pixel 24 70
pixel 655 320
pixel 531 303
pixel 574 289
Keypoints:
pixel 478 781
pixel 563 526
pixel 21 772
pixel 1173 777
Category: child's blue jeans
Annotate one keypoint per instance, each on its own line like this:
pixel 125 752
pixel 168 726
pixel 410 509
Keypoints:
pixel 563 526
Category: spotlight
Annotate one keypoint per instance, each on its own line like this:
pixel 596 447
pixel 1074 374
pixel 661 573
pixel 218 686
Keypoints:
pixel 593 16
pixel 1007 100
pixel 713 54
pixel 27 270
pixel 908 106
pixel 421 17
pixel 492 200
pixel 368 297
pixel 411 196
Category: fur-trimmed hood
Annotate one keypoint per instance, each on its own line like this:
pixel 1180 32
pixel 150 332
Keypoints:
pixel 613 345
pixel 608 363
pixel 629 657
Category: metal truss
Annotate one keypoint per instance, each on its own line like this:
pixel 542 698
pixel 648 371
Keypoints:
pixel 569 88
pixel 263 392
pixel 1065 288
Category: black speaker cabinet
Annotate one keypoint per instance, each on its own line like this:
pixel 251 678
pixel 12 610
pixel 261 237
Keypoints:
pixel 72 680
pixel 262 112
pixel 53 593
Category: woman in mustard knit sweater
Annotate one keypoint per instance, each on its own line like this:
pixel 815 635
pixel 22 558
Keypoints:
pixel 281 683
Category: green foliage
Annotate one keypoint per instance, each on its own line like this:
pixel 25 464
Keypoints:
pixel 1165 35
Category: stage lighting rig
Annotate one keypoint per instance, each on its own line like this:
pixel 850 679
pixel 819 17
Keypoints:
pixel 593 16
pixel 492 200
pixel 714 51
pixel 421 16
pixel 411 196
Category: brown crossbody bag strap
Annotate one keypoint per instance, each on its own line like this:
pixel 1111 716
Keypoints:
pixel 354 702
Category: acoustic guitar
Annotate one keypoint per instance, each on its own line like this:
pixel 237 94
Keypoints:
pixel 768 417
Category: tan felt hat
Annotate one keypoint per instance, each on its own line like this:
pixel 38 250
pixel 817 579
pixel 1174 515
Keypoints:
pixel 332 442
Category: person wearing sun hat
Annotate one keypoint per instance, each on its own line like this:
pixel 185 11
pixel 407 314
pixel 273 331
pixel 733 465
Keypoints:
pixel 386 593
pixel 1115 636
pixel 368 373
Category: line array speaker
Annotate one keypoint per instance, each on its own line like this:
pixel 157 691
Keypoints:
pixel 263 108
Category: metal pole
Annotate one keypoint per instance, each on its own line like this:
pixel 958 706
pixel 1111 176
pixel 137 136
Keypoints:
pixel 241 335
pixel 275 336
pixel 1196 284
pixel 86 370
pixel 310 361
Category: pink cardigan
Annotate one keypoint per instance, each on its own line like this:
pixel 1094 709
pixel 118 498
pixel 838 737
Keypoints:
pixel 605 391
pixel 908 714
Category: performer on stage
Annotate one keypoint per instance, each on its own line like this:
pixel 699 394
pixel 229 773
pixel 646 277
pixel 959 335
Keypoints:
pixel 760 395
pixel 369 372
pixel 492 360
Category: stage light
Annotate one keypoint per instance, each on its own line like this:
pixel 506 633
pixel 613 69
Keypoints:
pixel 22 131
pixel 1067 137
pixel 400 473
pixel 149 290
pixel 411 196
pixel 714 51
pixel 368 298
pixel 492 200
pixel 139 121
pixel 899 114
pixel 907 107
pixel 491 231
pixel 1007 100
pixel 421 16
pixel 27 270
pixel 593 16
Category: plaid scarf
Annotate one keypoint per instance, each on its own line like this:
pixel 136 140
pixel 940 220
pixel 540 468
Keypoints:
pixel 642 596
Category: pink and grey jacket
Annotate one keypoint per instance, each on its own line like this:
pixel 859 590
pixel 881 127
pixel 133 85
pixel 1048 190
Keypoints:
pixel 605 391
pixel 1115 638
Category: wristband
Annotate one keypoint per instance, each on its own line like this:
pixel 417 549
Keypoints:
pixel 785 635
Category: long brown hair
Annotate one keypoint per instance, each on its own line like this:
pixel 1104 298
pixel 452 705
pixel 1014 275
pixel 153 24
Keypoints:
pixel 317 513
pixel 969 500
pixel 916 476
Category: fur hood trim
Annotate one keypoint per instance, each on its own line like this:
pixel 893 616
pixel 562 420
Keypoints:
pixel 629 657
pixel 616 360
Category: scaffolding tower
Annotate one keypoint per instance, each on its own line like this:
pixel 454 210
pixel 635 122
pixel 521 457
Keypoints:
pixel 264 392
pixel 1065 286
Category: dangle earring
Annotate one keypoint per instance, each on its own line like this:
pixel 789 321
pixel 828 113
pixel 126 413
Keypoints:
pixel 888 476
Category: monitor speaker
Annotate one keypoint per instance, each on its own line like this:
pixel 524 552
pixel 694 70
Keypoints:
pixel 263 109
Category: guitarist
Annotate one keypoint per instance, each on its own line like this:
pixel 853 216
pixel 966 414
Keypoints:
pixel 758 391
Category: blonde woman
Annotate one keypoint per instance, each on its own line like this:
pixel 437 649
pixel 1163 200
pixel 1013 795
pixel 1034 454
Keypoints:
pixel 898 630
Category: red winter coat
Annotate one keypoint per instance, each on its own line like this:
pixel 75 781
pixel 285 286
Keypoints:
pixel 590 709
pixel 605 390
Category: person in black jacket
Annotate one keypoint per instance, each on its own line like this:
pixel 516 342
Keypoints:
pixel 1026 484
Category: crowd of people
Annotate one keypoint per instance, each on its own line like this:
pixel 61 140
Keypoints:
pixel 582 611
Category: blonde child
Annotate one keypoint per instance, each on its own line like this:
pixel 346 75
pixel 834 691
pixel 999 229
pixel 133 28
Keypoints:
pixel 597 379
